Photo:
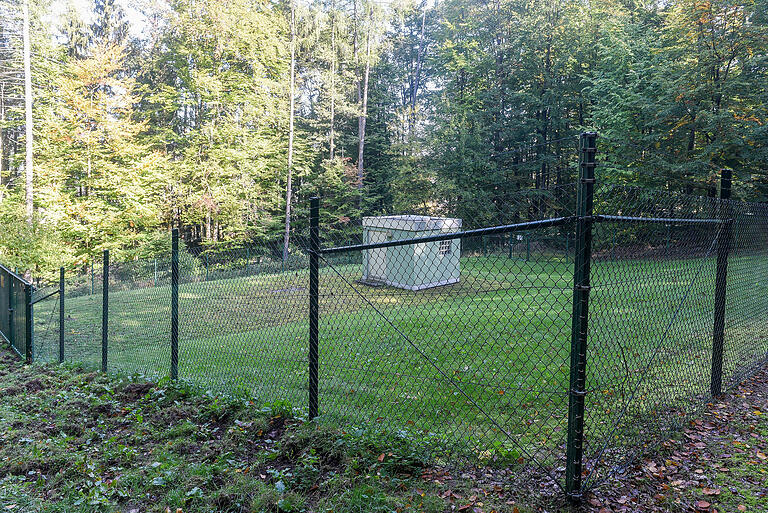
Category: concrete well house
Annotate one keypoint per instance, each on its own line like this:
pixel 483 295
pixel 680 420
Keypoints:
pixel 412 266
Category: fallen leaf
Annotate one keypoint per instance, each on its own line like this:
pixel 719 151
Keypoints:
pixel 703 505
pixel 711 491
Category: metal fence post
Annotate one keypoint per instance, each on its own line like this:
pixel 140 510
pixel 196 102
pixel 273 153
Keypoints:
pixel 175 304
pixel 11 324
pixel 29 330
pixel 61 314
pixel 105 312
pixel 314 303
pixel 93 291
pixel 721 284
pixel 579 328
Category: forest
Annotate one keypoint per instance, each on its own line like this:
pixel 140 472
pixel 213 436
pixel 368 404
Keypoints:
pixel 223 118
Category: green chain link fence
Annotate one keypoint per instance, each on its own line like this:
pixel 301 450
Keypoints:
pixel 560 331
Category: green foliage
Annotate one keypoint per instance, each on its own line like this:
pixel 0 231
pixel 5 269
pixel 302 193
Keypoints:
pixel 468 104
pixel 37 247
pixel 82 442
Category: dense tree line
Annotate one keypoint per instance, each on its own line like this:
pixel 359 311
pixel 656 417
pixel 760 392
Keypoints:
pixel 226 116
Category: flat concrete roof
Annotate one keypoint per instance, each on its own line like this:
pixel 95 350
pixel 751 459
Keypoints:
pixel 412 223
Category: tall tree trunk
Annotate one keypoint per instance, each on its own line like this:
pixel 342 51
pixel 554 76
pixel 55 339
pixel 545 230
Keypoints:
pixel 289 185
pixel 28 170
pixel 416 78
pixel 364 103
pixel 355 48
pixel 333 79
pixel 2 140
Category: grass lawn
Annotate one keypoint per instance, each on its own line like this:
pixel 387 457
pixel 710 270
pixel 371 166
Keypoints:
pixel 481 366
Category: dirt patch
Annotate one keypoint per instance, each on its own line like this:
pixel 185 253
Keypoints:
pixel 135 391
pixel 102 409
pixel 171 415
pixel 34 385
pixel 10 391
pixel 186 448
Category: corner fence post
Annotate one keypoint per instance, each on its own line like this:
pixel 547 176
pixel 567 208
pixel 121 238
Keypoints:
pixel 175 304
pixel 29 332
pixel 11 315
pixel 105 312
pixel 61 314
pixel 580 318
pixel 314 303
pixel 721 283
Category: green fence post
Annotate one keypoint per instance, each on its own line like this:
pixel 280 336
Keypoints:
pixel 206 267
pixel 3 284
pixel 11 315
pixel 175 304
pixel 579 327
pixel 154 283
pixel 29 333
pixel 93 291
pixel 721 283
pixel 314 303
pixel 105 312
pixel 61 314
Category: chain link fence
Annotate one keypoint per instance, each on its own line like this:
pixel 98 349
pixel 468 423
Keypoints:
pixel 564 330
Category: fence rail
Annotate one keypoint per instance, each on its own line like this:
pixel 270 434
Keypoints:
pixel 561 342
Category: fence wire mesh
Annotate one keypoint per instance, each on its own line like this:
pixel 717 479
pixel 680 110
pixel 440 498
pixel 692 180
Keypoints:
pixel 83 288
pixel 448 339
pixel 13 311
pixel 651 319
pixel 243 322
pixel 463 341
pixel 46 319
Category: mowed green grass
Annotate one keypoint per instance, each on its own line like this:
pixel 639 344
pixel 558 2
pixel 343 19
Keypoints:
pixel 482 365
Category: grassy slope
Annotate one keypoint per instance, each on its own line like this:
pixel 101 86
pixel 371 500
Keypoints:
pixel 502 336
pixel 76 441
